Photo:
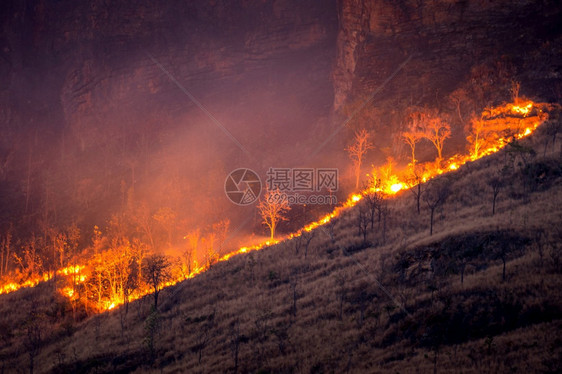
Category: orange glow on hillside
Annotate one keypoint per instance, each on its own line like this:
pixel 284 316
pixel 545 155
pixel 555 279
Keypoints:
pixel 493 131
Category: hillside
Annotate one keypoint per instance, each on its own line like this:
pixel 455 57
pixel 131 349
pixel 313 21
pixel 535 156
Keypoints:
pixel 126 129
pixel 482 294
pixel 92 125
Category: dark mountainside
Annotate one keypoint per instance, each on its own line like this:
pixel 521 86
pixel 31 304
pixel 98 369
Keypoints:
pixel 94 132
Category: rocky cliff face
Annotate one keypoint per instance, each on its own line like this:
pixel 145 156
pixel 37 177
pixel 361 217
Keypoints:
pixel 446 39
pixel 89 62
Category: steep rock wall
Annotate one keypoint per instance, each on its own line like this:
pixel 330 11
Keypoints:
pixel 445 38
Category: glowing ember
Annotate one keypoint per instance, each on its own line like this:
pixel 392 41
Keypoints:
pixel 68 292
pixel 73 269
pixel 524 110
pixel 396 187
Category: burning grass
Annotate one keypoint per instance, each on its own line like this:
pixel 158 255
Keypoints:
pixel 335 288
pixel 496 128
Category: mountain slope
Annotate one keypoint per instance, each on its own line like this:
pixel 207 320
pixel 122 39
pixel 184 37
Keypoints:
pixel 391 304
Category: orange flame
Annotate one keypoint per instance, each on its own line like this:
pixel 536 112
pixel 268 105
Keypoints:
pixel 391 183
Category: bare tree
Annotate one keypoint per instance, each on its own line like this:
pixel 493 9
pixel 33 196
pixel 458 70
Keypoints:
pixel 363 220
pixel 496 183
pixel 281 333
pixel 307 237
pixel 221 231
pixel 411 138
pixel 502 250
pixel 373 197
pixel 457 97
pixel 204 335
pixel 191 252
pixel 156 272
pixel 272 209
pixel 5 246
pixel 357 150
pixel 144 223
pixel 140 251
pixel 33 327
pixel 436 130
pixel 415 185
pixel 414 133
pixel 72 245
pixel 330 229
pixel 476 136
pixel 385 213
pixel 208 243
pixel 30 261
pixel 297 243
pixel 435 196
pixel 235 340
pixel 303 240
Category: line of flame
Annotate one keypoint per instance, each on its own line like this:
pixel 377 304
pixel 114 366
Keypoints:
pixel 393 185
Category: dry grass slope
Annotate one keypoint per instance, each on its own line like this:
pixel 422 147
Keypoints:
pixel 482 294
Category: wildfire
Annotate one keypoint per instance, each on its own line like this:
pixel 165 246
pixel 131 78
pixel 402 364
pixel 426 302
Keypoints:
pixel 396 187
pixel 355 198
pixel 497 127
pixel 72 269
pixel 68 292
pixel 523 110
pixel 35 280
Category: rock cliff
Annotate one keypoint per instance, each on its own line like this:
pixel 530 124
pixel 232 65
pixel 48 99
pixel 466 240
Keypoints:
pixel 86 65
pixel 446 39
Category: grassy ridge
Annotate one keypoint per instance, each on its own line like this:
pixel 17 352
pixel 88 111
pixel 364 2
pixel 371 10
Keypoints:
pixel 407 302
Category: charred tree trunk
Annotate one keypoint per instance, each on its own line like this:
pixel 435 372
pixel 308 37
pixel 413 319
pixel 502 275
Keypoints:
pixel 235 343
pixel 431 221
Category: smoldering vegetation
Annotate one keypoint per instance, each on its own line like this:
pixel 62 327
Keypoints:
pixel 480 294
pixel 105 161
